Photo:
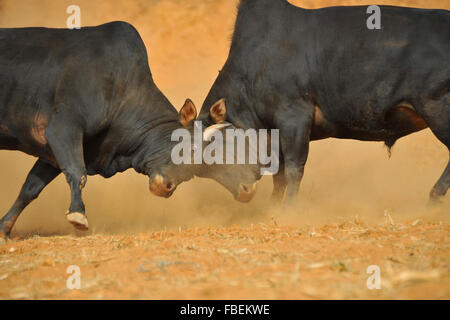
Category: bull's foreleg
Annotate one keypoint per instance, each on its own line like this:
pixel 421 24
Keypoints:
pixel 66 142
pixel 295 129
pixel 279 184
pixel 38 178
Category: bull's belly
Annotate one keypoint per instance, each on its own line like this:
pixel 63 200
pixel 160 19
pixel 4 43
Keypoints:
pixel 395 123
pixel 8 143
pixel 7 140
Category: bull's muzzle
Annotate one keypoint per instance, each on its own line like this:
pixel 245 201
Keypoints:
pixel 160 187
pixel 246 192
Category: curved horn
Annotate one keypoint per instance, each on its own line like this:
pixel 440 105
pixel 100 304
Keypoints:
pixel 208 133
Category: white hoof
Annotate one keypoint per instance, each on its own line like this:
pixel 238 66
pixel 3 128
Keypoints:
pixel 78 220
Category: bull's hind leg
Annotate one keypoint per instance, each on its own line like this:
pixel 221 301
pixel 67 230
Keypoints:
pixel 437 116
pixel 440 188
pixel 40 176
pixel 66 141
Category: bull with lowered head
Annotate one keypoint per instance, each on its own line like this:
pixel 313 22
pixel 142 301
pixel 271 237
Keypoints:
pixel 84 103
pixel 317 74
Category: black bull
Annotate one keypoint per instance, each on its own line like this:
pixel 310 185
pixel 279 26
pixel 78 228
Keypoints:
pixel 84 102
pixel 322 73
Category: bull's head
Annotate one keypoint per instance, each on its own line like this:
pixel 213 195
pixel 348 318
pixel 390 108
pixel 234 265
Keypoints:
pixel 165 176
pixel 239 179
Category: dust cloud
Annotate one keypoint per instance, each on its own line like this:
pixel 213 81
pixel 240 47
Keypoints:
pixel 188 43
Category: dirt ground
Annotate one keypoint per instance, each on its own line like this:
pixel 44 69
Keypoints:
pixel 263 261
pixel 357 207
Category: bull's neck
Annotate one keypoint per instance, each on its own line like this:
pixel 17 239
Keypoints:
pixel 143 129
pixel 155 148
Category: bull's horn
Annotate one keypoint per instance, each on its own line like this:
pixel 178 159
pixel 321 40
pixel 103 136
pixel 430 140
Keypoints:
pixel 208 133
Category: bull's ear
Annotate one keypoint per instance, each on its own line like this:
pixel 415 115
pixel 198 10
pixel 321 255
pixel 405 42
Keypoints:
pixel 188 113
pixel 218 111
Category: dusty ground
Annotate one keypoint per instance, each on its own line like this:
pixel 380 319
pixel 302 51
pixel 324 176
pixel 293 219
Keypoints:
pixel 263 261
pixel 201 243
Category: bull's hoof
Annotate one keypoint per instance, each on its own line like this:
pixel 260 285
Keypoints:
pixel 437 195
pixel 3 234
pixel 435 200
pixel 78 220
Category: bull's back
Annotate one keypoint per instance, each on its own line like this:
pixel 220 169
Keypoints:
pixel 356 76
pixel 410 52
pixel 44 69
pixel 366 84
pixel 367 79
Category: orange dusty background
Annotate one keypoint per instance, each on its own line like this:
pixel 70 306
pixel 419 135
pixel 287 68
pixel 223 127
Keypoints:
pixel 357 207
